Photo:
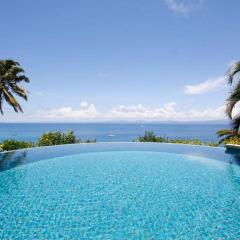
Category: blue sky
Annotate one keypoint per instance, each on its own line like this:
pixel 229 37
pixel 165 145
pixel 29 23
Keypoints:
pixel 123 59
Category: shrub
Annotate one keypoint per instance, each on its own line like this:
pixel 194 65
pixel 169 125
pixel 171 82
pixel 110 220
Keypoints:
pixel 57 138
pixel 47 139
pixel 233 140
pixel 149 137
pixel 69 138
pixel 50 138
pixel 11 144
pixel 229 136
pixel 212 144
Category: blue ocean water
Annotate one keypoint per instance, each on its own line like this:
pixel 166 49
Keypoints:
pixel 110 131
pixel 121 195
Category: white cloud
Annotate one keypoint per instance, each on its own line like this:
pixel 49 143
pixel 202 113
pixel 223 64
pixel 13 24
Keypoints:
pixel 168 112
pixel 182 6
pixel 88 112
pixel 85 111
pixel 204 87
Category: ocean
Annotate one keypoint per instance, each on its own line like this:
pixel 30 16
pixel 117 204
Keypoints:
pixel 112 132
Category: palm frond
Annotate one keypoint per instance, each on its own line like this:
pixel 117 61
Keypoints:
pixel 225 132
pixel 5 65
pixel 18 90
pixel 21 78
pixel 11 73
pixel 232 100
pixel 224 139
pixel 11 100
pixel 234 69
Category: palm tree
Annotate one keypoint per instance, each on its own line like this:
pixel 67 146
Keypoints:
pixel 234 69
pixel 227 134
pixel 233 99
pixel 235 94
pixel 11 74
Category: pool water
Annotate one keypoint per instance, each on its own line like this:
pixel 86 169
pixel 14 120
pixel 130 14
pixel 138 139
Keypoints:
pixel 121 195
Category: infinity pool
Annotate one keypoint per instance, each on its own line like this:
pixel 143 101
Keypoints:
pixel 120 191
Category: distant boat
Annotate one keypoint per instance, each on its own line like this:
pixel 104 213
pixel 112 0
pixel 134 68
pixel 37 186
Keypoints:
pixel 111 135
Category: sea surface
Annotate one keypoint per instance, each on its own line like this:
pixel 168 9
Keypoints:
pixel 112 132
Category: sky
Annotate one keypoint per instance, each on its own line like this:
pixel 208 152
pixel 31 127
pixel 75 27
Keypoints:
pixel 121 60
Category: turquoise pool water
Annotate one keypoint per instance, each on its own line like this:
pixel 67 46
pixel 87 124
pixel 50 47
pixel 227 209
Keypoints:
pixel 121 195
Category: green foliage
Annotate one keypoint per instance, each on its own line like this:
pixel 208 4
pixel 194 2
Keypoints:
pixel 47 139
pixel 11 144
pixel 225 132
pixel 228 136
pixel 69 138
pixel 233 140
pixel 232 135
pixel 11 74
pixel 234 97
pixel 57 138
pixel 212 144
pixel 151 137
pixel 233 70
pixel 185 141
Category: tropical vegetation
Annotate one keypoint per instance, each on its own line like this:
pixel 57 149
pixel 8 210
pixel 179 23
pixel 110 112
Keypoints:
pixel 229 136
pixel 11 144
pixel 11 75
pixel 151 137
pixel 47 139
pixel 232 136
pixel 57 138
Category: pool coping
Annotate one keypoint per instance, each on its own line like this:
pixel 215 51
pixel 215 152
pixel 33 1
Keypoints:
pixel 60 145
pixel 232 146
